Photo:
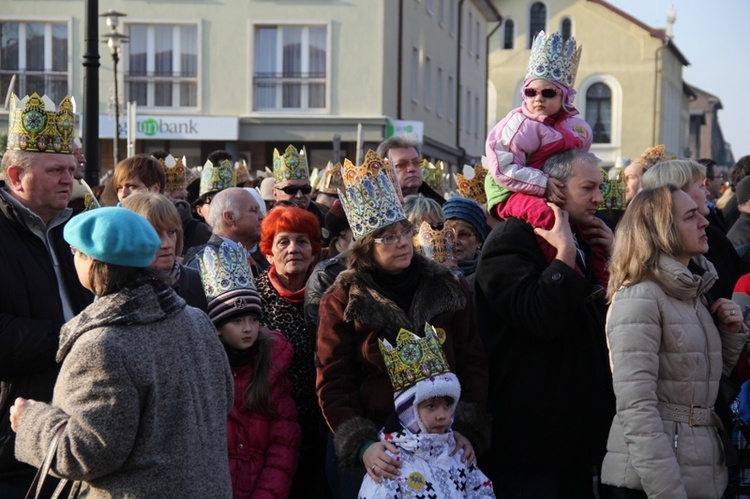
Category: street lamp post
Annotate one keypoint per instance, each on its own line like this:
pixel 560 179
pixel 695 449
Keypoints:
pixel 114 40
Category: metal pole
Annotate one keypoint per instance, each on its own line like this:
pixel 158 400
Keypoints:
pixel 116 149
pixel 90 123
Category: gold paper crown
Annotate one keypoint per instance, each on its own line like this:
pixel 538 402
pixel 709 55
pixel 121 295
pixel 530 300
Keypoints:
pixel 242 174
pixel 613 190
pixel 332 179
pixel 413 359
pixel 471 184
pixel 291 166
pixel 217 178
pixel 175 172
pixel 433 174
pixel 368 197
pixel 651 156
pixel 437 245
pixel 554 59
pixel 35 126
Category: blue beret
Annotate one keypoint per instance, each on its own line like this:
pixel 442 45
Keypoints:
pixel 112 235
pixel 458 208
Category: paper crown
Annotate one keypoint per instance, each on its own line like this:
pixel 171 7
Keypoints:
pixel 175 172
pixel 413 359
pixel 437 245
pixel 36 126
pixel 82 191
pixel 554 59
pixel 471 184
pixel 332 179
pixel 369 198
pixel 433 174
pixel 291 165
pixel 242 174
pixel 228 282
pixel 613 190
pixel 217 178
pixel 651 156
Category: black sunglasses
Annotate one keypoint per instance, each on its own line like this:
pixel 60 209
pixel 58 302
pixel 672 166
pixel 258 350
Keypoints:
pixel 547 93
pixel 293 189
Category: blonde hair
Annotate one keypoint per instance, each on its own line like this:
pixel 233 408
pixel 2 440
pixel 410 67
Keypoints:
pixel 419 208
pixel 680 172
pixel 646 231
pixel 159 211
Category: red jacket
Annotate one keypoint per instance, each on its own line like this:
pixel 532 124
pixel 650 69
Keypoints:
pixel 263 451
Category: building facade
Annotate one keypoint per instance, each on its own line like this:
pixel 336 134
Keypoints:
pixel 249 76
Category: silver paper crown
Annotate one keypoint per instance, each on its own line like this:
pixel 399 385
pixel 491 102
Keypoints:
pixel 217 178
pixel 554 59
pixel 224 270
pixel 368 197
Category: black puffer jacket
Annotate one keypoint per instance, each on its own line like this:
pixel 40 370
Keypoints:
pixel 31 315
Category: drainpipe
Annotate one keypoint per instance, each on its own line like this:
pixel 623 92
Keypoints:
pixel 458 80
pixel 657 92
pixel 399 70
pixel 487 67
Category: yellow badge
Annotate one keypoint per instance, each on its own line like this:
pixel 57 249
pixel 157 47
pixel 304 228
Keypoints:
pixel 416 481
pixel 580 131
pixel 440 334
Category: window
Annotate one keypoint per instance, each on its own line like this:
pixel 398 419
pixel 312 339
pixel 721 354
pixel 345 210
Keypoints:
pixel 468 122
pixel 599 112
pixel 162 65
pixel 476 40
pixel 451 100
pixel 415 74
pixel 469 26
pixel 430 7
pixel 290 68
pixel 476 117
pixel 427 82
pixel 452 16
pixel 566 28
pixel 441 12
pixel 509 34
pixel 439 91
pixel 537 20
pixel 37 52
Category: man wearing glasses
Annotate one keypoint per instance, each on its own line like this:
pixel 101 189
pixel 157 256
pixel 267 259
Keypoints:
pixel 405 153
pixel 713 182
pixel 40 290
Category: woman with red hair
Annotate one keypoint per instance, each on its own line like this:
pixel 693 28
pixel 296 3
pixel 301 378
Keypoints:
pixel 290 240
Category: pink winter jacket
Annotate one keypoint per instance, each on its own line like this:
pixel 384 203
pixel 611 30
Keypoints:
pixel 521 134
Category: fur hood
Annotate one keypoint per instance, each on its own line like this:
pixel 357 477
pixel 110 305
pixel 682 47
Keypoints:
pixel 438 291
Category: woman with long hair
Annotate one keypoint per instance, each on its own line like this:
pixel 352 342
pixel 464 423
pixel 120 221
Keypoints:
pixel 669 347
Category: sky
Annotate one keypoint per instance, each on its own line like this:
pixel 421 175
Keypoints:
pixel 715 38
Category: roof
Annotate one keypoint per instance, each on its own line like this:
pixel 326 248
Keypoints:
pixel 488 10
pixel 654 32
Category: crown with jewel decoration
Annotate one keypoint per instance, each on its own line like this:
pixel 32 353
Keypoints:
pixel 437 245
pixel 217 178
pixel 36 126
pixel 175 172
pixel 332 179
pixel 553 58
pixel 433 174
pixel 613 190
pixel 292 165
pixel 471 184
pixel 651 156
pixel 413 359
pixel 228 282
pixel 369 199
pixel 242 174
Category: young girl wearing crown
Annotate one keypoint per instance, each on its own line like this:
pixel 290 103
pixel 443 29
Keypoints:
pixel 425 394
pixel 262 430
pixel 545 124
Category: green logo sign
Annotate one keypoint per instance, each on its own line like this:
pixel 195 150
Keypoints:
pixel 150 127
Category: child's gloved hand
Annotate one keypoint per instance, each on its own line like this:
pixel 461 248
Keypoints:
pixel 554 192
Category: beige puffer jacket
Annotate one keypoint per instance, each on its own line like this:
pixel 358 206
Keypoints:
pixel 666 348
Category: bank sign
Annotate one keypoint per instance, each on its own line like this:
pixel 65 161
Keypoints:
pixel 174 127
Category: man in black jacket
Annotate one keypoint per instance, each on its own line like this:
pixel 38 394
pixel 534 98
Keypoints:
pixel 40 289
pixel 542 322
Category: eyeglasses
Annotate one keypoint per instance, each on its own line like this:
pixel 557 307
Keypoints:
pixel 294 189
pixel 416 163
pixel 547 93
pixel 464 235
pixel 721 176
pixel 391 239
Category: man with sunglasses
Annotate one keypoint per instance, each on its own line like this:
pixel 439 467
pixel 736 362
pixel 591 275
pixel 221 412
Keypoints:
pixel 405 154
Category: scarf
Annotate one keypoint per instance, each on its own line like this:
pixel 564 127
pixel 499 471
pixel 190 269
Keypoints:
pixel 296 298
pixel 239 358
pixel 399 288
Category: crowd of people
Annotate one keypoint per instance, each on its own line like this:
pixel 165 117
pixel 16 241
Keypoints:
pixel 520 339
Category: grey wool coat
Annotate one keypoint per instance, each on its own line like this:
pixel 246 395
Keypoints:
pixel 145 388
